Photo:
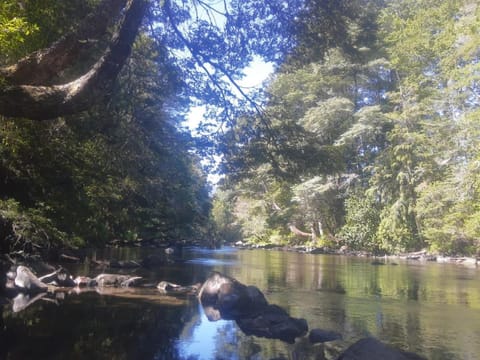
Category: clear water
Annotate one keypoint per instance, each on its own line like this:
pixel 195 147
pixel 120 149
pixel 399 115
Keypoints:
pixel 428 308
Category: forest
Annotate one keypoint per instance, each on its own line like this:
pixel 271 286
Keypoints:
pixel 365 136
pixel 369 137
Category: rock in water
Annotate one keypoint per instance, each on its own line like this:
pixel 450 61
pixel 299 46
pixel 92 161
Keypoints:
pixel 231 297
pixel 225 297
pixel 321 336
pixel 372 349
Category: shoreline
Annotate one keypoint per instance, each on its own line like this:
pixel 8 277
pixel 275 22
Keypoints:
pixel 418 256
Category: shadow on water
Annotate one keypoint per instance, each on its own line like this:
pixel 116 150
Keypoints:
pixel 430 309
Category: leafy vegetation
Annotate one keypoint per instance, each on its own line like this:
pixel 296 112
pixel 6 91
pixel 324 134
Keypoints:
pixel 366 135
pixel 123 170
pixel 369 142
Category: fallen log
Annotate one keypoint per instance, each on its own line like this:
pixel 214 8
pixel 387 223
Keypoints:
pixel 175 289
pixel 115 280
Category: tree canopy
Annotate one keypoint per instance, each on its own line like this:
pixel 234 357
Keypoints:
pixel 369 137
pixel 365 136
pixel 210 43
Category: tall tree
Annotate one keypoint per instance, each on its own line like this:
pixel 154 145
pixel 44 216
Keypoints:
pixel 323 125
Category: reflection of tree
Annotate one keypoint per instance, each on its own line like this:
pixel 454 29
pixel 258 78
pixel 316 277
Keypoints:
pixel 96 327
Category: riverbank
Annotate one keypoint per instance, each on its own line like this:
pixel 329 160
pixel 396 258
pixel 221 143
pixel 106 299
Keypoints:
pixel 421 256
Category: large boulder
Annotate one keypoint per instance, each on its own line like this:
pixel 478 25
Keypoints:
pixel 373 349
pixel 230 297
pixel 169 288
pixel 223 297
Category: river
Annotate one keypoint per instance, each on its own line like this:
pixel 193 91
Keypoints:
pixel 428 308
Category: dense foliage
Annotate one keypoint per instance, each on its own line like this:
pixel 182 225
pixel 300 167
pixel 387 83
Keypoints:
pixel 369 142
pixel 123 170
pixel 366 136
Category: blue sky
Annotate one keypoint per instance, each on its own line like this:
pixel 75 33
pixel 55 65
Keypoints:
pixel 255 74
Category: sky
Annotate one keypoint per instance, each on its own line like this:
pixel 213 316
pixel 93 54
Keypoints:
pixel 255 74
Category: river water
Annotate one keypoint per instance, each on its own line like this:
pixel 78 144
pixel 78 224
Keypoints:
pixel 427 308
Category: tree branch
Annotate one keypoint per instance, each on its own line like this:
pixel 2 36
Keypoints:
pixel 41 66
pixel 46 102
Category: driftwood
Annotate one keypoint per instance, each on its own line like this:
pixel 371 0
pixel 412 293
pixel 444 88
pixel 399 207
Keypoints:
pixel 175 289
pixel 26 280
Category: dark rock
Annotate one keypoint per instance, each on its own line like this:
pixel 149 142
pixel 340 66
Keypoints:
pixel 317 251
pixel 273 323
pixel 225 298
pixel 231 297
pixel 321 336
pixel 60 277
pixel 373 349
pixel 209 292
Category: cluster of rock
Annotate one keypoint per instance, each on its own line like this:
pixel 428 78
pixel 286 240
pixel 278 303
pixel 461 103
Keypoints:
pixel 221 297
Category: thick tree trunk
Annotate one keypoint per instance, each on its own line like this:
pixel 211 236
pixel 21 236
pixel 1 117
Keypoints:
pixel 46 102
pixel 40 67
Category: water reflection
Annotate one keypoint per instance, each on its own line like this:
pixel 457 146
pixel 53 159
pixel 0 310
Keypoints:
pixel 199 337
pixel 428 308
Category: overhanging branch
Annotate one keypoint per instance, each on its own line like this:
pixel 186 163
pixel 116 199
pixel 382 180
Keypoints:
pixel 45 102
pixel 41 66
